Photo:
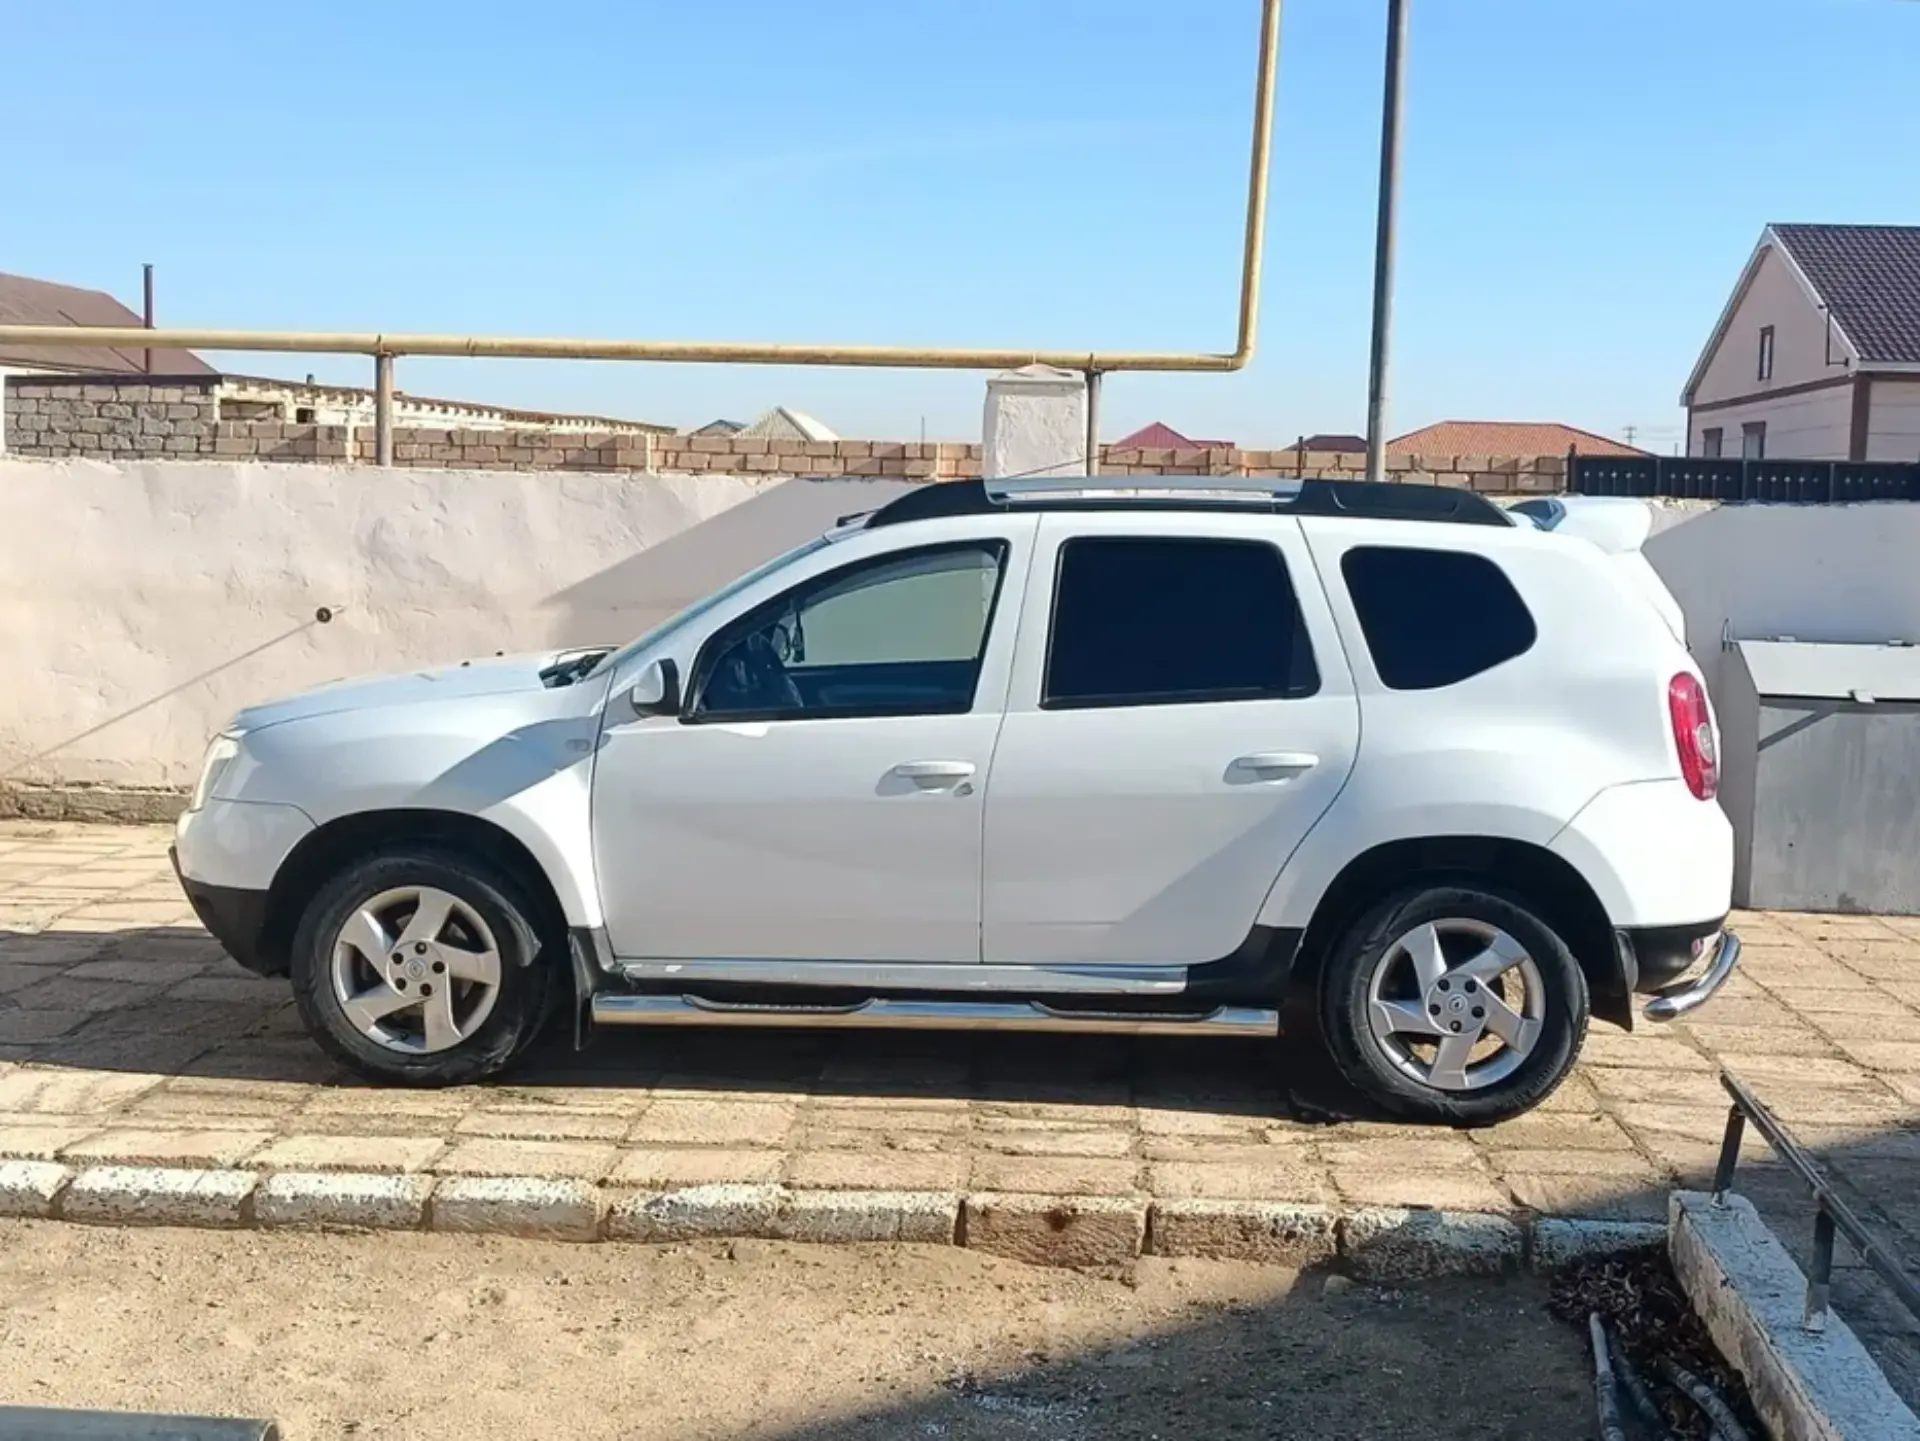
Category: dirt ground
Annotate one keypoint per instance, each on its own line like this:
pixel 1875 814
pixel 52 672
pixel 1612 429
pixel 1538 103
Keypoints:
pixel 420 1336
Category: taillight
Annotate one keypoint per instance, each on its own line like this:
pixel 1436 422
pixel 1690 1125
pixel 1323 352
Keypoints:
pixel 1693 734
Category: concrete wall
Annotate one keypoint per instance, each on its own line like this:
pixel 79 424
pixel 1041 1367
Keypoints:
pixel 1812 572
pixel 142 603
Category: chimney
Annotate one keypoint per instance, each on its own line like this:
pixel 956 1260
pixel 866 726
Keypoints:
pixel 146 314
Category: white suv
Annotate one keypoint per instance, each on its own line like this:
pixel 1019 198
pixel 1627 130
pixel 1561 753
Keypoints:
pixel 1103 755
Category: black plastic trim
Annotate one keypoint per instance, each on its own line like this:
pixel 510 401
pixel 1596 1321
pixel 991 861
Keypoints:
pixel 1358 499
pixel 235 917
pixel 587 954
pixel 1664 953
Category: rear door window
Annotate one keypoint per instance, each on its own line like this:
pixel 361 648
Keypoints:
pixel 1434 618
pixel 1174 620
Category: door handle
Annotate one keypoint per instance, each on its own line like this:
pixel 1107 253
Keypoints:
pixel 1276 762
pixel 934 770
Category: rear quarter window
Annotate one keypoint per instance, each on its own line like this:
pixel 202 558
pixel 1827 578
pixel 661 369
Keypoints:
pixel 1434 618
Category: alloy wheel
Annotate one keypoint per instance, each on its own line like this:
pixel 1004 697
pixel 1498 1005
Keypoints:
pixel 1456 1004
pixel 415 969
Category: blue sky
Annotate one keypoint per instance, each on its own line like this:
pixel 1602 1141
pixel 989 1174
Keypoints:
pixel 1583 180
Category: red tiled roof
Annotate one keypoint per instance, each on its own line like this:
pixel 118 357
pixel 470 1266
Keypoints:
pixel 1164 437
pixel 1505 438
pixel 25 301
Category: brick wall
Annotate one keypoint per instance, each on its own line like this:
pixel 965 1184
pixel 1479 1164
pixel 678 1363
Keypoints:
pixel 163 418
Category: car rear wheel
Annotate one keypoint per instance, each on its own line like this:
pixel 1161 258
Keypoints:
pixel 421 968
pixel 1454 1004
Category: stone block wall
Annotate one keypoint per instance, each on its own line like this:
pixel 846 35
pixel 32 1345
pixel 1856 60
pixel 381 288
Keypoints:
pixel 150 417
pixel 1495 475
pixel 153 418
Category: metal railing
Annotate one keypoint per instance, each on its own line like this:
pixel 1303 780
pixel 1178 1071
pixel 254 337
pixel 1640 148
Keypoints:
pixel 384 347
pixel 1831 1213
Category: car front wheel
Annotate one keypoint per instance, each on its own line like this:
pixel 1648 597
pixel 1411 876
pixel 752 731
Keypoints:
pixel 1454 1004
pixel 421 968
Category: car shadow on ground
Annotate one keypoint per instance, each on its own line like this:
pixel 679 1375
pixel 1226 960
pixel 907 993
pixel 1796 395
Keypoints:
pixel 165 1002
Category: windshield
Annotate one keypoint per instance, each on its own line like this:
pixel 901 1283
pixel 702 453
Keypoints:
pixel 707 603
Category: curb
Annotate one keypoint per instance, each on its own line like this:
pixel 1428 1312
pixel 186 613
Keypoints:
pixel 1373 1243
pixel 96 805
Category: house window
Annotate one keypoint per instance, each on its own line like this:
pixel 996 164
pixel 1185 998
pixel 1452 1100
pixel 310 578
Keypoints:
pixel 1753 440
pixel 1766 352
pixel 1710 442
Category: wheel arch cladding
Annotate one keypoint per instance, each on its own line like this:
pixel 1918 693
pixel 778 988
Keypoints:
pixel 322 853
pixel 1543 881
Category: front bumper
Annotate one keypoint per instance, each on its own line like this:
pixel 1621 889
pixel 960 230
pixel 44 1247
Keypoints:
pixel 1683 996
pixel 235 917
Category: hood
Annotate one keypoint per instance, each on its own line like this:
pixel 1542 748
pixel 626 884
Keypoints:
pixel 495 675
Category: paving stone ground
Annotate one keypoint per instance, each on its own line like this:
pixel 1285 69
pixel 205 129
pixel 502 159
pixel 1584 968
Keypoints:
pixel 127 1038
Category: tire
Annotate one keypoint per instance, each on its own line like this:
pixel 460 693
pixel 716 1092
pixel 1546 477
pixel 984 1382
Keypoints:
pixel 487 913
pixel 1544 1006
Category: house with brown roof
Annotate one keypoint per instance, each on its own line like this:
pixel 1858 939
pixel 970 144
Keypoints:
pixel 28 371
pixel 1161 436
pixel 1505 440
pixel 1332 443
pixel 26 301
pixel 1816 354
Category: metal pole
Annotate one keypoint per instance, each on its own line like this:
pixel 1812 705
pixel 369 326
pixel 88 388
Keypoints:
pixel 146 286
pixel 1729 1154
pixel 1820 1277
pixel 533 348
pixel 1383 241
pixel 383 410
pixel 1093 423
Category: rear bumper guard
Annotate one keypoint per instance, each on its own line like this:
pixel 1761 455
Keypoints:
pixel 1684 996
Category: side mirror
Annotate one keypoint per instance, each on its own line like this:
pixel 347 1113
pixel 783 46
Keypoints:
pixel 657 691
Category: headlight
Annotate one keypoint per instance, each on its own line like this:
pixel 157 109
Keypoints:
pixel 220 754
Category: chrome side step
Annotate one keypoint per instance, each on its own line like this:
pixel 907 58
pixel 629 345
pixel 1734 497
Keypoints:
pixel 615 1009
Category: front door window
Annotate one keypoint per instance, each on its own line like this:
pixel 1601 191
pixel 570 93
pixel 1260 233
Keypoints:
pixel 899 635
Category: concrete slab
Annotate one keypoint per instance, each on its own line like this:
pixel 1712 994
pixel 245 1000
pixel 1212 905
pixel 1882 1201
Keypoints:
pixel 1807 1386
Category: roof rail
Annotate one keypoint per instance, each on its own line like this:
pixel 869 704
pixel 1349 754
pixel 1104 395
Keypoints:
pixel 1276 494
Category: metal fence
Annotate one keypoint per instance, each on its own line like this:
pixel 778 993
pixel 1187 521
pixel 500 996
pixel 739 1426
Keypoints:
pixel 1831 1213
pixel 1782 482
